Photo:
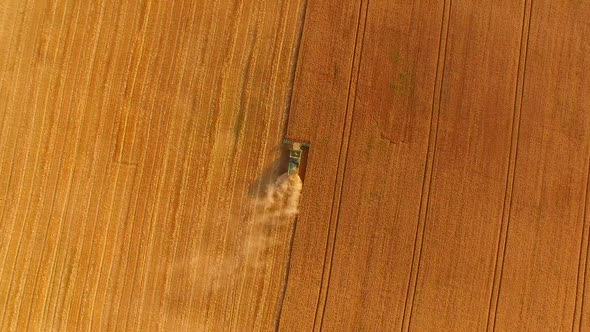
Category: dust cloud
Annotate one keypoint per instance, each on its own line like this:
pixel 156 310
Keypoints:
pixel 232 252
pixel 281 199
pixel 273 211
pixel 252 240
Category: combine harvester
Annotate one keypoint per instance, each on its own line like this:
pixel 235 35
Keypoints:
pixel 295 152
